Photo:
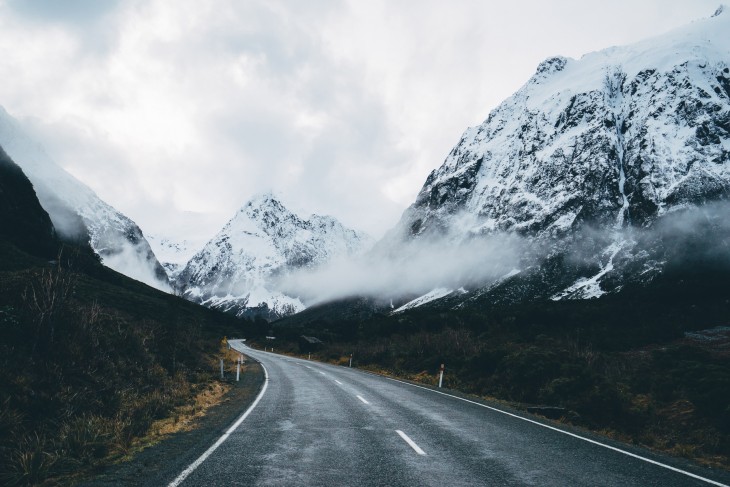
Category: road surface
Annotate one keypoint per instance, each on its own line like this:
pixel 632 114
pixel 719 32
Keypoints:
pixel 318 424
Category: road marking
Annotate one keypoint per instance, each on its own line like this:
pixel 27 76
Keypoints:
pixel 307 366
pixel 340 383
pixel 633 455
pixel 185 473
pixel 410 442
pixel 323 373
pixel 363 400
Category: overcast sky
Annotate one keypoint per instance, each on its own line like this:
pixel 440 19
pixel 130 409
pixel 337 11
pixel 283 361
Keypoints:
pixel 176 112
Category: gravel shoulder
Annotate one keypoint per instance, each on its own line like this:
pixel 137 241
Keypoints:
pixel 161 463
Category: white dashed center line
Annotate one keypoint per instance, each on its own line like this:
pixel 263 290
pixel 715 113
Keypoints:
pixel 363 400
pixel 340 383
pixel 410 442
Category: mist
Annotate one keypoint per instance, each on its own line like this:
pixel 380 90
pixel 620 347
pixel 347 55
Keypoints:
pixel 134 262
pixel 407 270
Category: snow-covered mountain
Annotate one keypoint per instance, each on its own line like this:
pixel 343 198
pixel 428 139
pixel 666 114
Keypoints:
pixel 78 213
pixel 618 141
pixel 240 269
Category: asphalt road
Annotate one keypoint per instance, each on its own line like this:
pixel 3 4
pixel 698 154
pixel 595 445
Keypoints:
pixel 317 424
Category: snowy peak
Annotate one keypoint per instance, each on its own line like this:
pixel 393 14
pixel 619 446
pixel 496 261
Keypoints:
pixel 239 270
pixel 621 135
pixel 611 142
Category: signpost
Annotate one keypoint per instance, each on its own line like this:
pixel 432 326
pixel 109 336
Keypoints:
pixel 441 375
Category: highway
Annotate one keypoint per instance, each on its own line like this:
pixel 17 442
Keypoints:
pixel 316 424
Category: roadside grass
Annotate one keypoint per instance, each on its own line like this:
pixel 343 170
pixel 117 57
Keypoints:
pixel 95 366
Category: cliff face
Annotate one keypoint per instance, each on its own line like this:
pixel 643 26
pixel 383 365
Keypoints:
pixel 618 137
pixel 589 161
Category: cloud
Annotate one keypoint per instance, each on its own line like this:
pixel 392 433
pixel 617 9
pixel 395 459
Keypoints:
pixel 343 106
pixel 71 11
pixel 408 270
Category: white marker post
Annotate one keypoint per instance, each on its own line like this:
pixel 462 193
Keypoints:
pixel 441 375
pixel 350 360
pixel 310 357
pixel 222 369
pixel 238 370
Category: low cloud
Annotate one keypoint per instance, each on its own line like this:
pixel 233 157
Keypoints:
pixel 412 269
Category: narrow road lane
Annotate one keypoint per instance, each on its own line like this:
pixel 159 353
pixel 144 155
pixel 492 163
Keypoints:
pixel 318 424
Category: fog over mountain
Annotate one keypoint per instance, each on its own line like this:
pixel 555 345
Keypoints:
pixel 596 173
pixel 78 213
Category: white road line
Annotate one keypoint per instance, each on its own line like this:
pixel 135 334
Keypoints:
pixel 363 400
pixel 410 442
pixel 633 455
pixel 323 373
pixel 185 473
pixel 340 383
pixel 307 366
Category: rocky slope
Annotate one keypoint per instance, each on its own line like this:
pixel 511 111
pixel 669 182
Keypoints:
pixel 240 269
pixel 591 161
pixel 78 213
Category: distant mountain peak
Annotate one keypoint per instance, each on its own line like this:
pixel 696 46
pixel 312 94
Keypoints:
pixel 239 269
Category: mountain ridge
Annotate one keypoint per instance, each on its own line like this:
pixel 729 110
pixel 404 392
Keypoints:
pixel 239 269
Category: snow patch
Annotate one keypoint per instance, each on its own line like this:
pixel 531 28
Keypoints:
pixel 433 295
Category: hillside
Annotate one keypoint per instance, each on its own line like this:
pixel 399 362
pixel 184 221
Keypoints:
pixel 90 357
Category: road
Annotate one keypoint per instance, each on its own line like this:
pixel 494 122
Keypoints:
pixel 318 424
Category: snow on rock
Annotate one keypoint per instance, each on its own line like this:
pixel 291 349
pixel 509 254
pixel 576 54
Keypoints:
pixel 433 295
pixel 240 268
pixel 616 139
pixel 77 212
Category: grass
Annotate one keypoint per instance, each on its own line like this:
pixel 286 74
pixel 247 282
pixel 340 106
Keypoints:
pixel 95 366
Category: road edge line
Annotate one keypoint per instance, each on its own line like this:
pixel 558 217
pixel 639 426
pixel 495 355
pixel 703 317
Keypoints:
pixel 191 468
pixel 619 450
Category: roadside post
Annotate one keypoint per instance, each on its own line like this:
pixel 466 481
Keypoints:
pixel 350 360
pixel 238 369
pixel 222 377
pixel 441 375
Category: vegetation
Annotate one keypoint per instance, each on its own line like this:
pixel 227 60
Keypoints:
pixel 89 360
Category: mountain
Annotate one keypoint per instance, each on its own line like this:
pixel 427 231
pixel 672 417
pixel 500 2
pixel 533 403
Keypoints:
pixel 600 165
pixel 78 213
pixel 22 219
pixel 240 269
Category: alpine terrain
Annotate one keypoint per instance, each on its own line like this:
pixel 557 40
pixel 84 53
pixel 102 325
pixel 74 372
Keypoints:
pixel 239 270
pixel 608 167
pixel 78 213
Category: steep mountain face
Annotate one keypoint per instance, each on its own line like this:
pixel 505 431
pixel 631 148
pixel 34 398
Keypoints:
pixel 78 213
pixel 22 219
pixel 240 268
pixel 588 158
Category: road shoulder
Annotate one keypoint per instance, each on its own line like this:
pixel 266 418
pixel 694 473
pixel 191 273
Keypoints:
pixel 161 463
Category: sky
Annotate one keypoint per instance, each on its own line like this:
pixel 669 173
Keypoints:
pixel 177 112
